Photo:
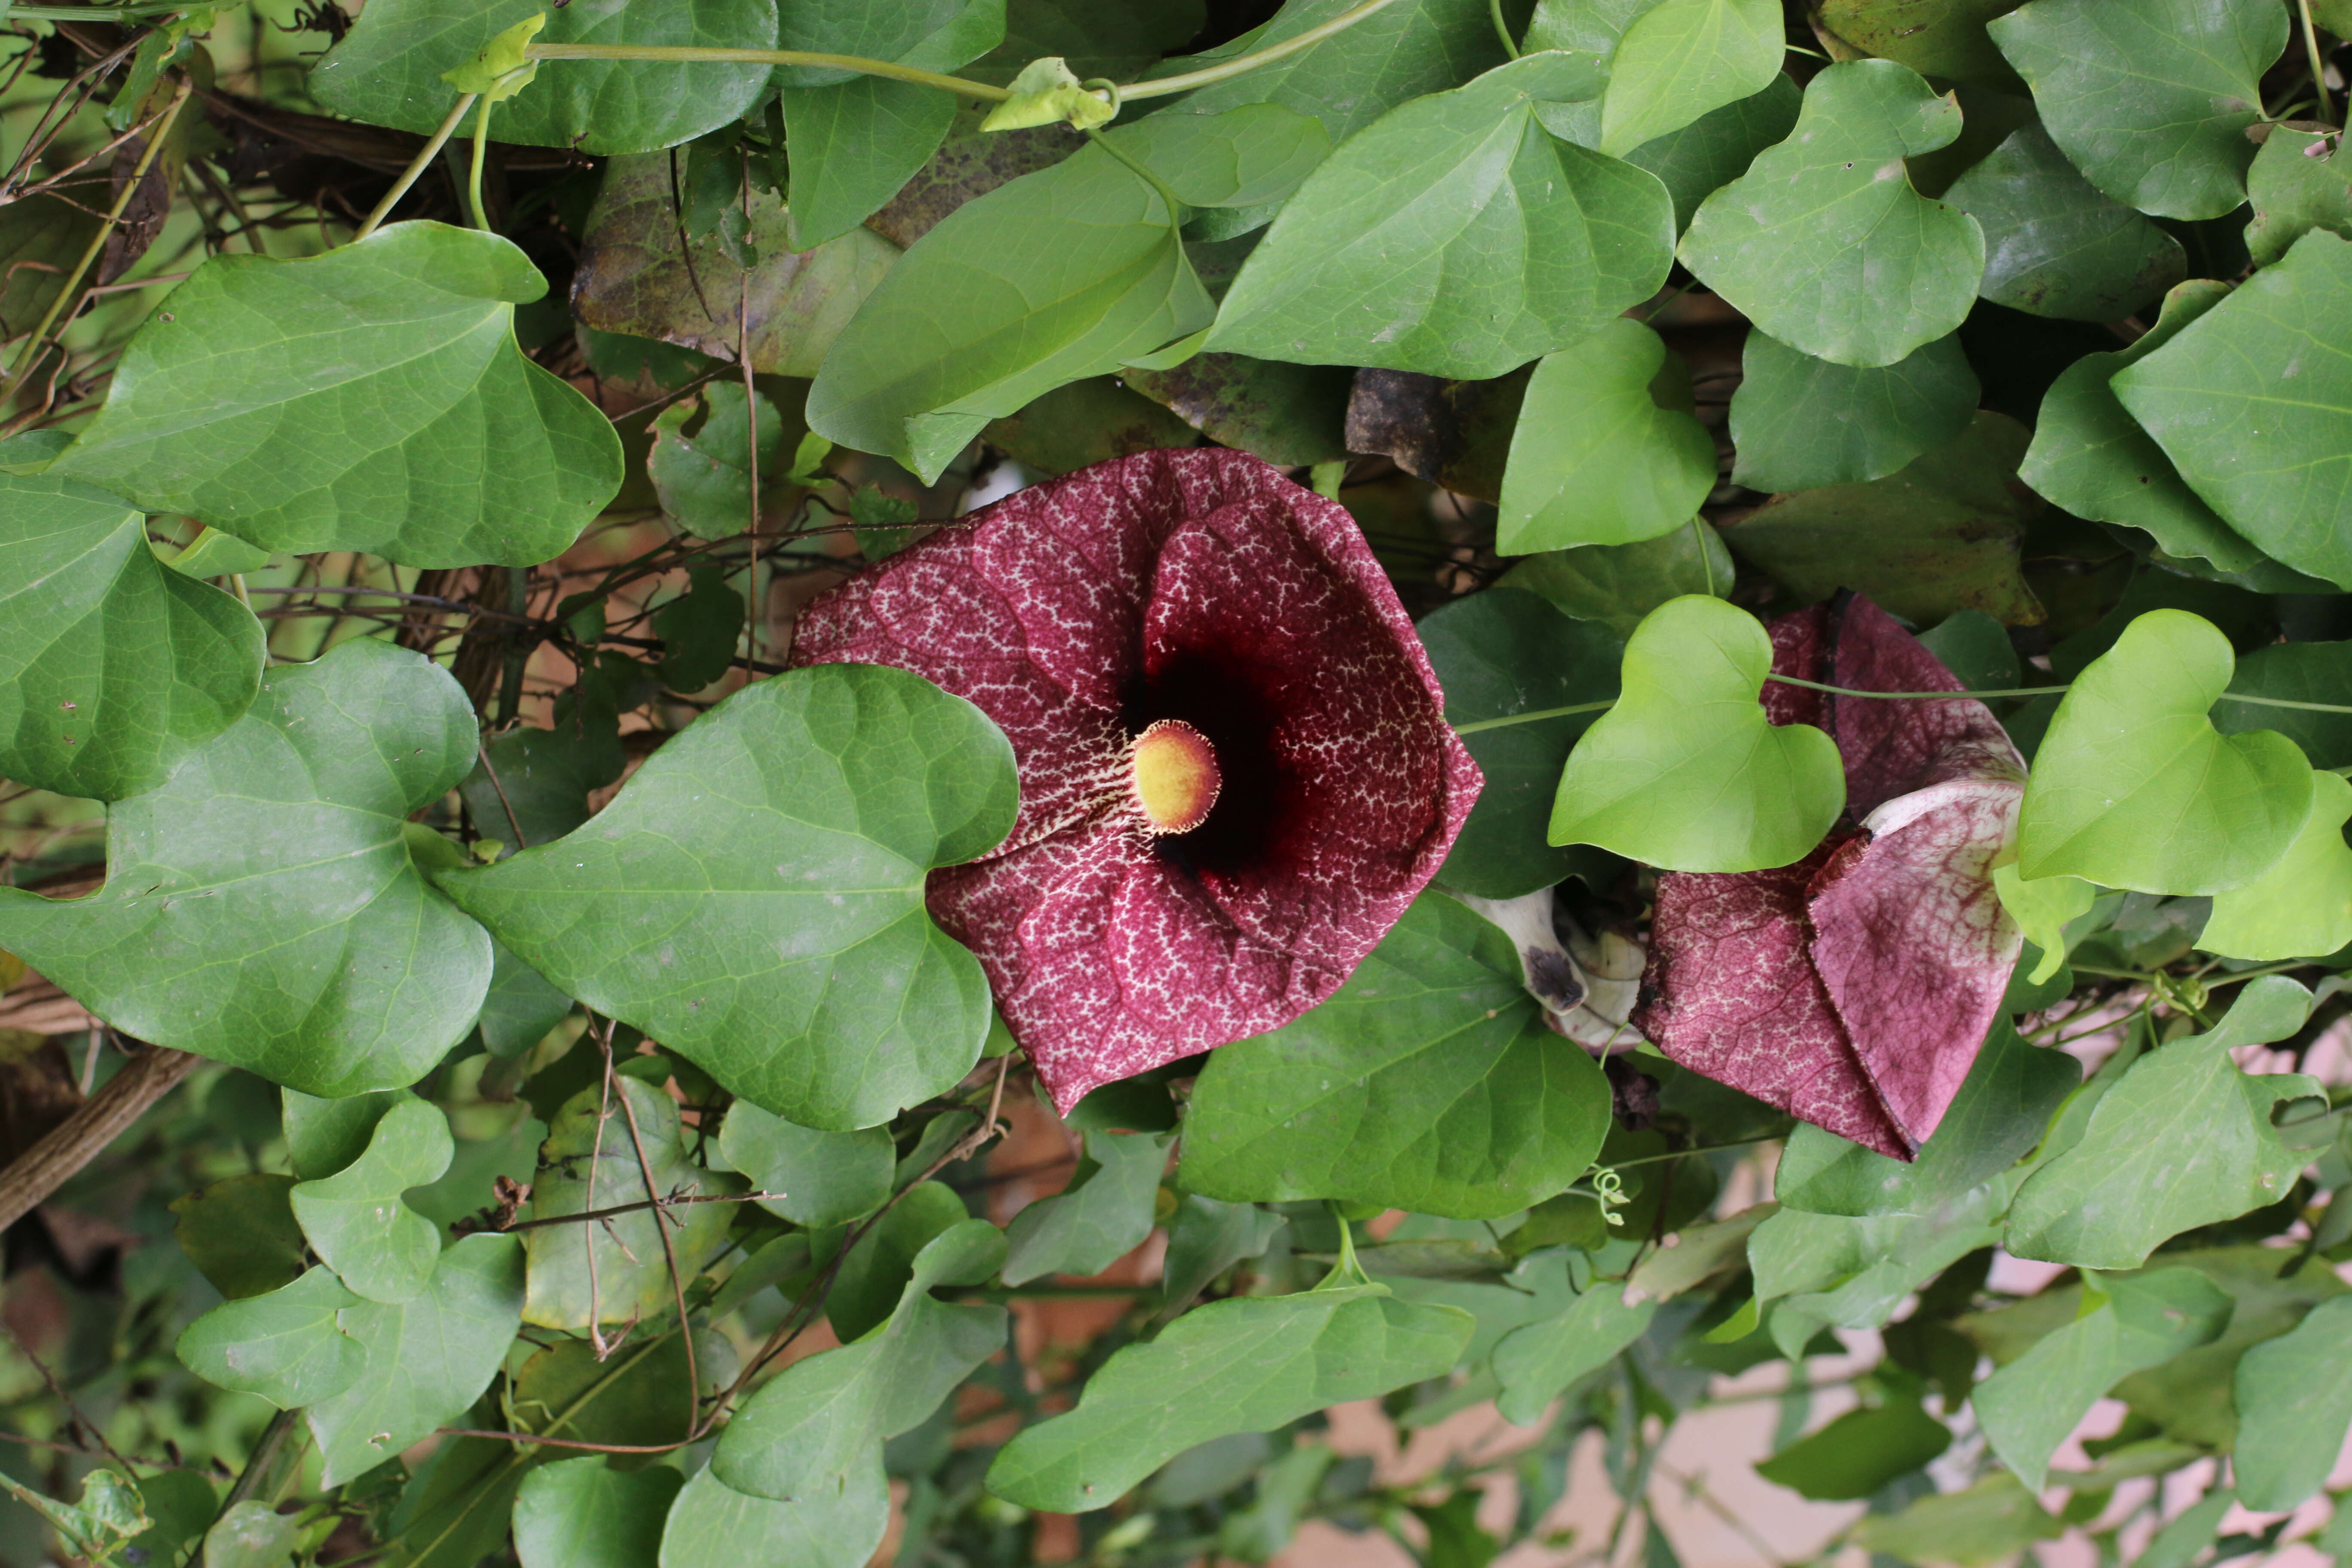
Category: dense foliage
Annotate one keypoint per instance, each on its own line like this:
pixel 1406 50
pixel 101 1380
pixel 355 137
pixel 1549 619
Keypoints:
pixel 1857 493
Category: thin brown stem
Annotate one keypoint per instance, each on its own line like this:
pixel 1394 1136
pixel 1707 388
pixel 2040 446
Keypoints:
pixel 73 1142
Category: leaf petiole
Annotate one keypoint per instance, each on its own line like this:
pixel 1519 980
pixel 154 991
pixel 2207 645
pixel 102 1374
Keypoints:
pixel 1530 718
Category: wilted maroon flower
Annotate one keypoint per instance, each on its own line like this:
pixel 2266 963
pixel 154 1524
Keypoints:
pixel 1235 772
pixel 1852 988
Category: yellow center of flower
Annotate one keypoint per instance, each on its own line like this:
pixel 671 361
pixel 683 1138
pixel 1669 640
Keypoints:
pixel 1172 777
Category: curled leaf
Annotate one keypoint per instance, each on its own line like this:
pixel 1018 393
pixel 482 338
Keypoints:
pixel 502 68
pixel 1047 92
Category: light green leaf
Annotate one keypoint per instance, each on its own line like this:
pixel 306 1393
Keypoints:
pixel 1607 450
pixel 1246 1365
pixel 1537 1361
pixel 1062 273
pixel 813 1431
pixel 590 1161
pixel 371 399
pixel 2273 459
pixel 1797 422
pixel 218 554
pixel 1102 1215
pixel 2042 909
pixel 857 140
pixel 500 68
pixel 712 1523
pixel 283 1346
pixel 1817 1271
pixel 1455 236
pixel 1717 148
pixel 355 1220
pixel 2001 1110
pixel 112 669
pixel 825 1178
pixel 2150 99
pixel 1686 772
pixel 1499 654
pixel 1824 244
pixel 262 909
pixel 753 898
pixel 1683 58
pixel 427 1359
pixel 2185 1139
pixel 252 1535
pixel 108 1516
pixel 1989 1522
pixel 1617 585
pixel 581 1513
pixel 2030 1406
pixel 2295 1405
pixel 390 69
pixel 2091 457
pixel 2133 787
pixel 2301 907
pixel 1047 92
pixel 2054 244
pixel 1428 1082
pixel 704 479
pixel 1935 38
pixel 2300 180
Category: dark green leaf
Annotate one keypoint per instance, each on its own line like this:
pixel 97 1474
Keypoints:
pixel 873 1278
pixel 811 1431
pixel 1935 38
pixel 1246 156
pixel 590 1160
pixel 699 629
pixel 712 1523
pixel 2293 1407
pixel 1089 421
pixel 1607 450
pixel 1500 654
pixel 1989 1522
pixel 520 1008
pixel 2054 244
pixel 1428 1082
pixel 2299 181
pixel 1456 237
pixel 325 1136
pixel 753 897
pixel 388 71
pixel 580 1513
pixel 240 1233
pixel 2297 672
pixel 112 669
pixel 425 1360
pixel 1717 148
pixel 704 479
pixel 390 366
pixel 1797 422
pixel 2273 466
pixel 1066 273
pixel 1205 1237
pixel 1536 1362
pixel 1999 1114
pixel 355 1220
pixel 1786 242
pixel 824 1178
pixel 1940 536
pixel 2030 1406
pixel 262 907
pixel 1859 1452
pixel 1617 585
pixel 1239 1365
pixel 635 276
pixel 283 1346
pixel 2150 99
pixel 2185 1139
pixel 1103 1215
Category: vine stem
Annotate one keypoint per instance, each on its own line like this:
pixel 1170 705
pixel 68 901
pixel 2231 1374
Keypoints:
pixel 1163 87
pixel 416 166
pixel 157 133
pixel 73 1142
pixel 474 170
pixel 2319 60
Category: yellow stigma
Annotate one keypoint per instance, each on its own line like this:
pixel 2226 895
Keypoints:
pixel 1172 777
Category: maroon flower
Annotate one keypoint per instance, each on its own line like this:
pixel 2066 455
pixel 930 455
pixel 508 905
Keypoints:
pixel 1852 988
pixel 1235 772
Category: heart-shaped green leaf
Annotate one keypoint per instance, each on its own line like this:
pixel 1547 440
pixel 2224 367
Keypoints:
pixel 825 1178
pixel 1680 59
pixel 1607 450
pixel 355 1220
pixel 2293 1405
pixel 390 69
pixel 1429 1083
pixel 262 907
pixel 2150 99
pixel 1686 772
pixel 1106 1212
pixel 1797 422
pixel 2133 787
pixel 282 1346
pixel 112 667
pixel 2254 401
pixel 1455 237
pixel 753 898
pixel 2300 182
pixel 372 398
pixel 582 1513
pixel 2054 244
pixel 1823 243
pixel 2302 907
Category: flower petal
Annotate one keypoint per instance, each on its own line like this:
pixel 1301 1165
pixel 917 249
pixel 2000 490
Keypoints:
pixel 1731 994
